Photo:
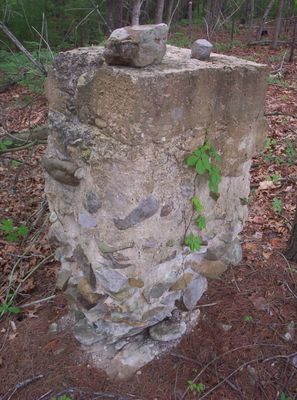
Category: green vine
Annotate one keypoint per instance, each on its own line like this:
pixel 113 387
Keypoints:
pixel 204 160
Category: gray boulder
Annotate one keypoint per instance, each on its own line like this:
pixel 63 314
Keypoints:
pixel 136 46
pixel 201 49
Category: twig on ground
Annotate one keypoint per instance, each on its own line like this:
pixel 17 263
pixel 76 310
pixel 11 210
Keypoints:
pixel 98 395
pixel 279 356
pixel 32 303
pixel 290 290
pixel 219 357
pixel 19 386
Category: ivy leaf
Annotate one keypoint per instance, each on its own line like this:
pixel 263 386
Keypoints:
pixel 214 154
pixel 194 242
pixel 200 167
pixel 23 230
pixel 201 222
pixel 191 160
pixel 198 152
pixel 197 204
pixel 205 161
pixel 214 179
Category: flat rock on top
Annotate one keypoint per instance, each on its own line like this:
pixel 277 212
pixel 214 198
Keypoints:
pixel 136 46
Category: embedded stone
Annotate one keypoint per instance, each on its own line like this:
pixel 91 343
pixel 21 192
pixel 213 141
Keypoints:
pixel 229 253
pixel 166 210
pixel 194 291
pixel 87 292
pixel 211 269
pixel 136 46
pixel 113 280
pixel 100 123
pixel 63 278
pixel 61 171
pixel 167 330
pixel 138 283
pixel 182 282
pixel 92 203
pixel 201 49
pixel 86 220
pixel 85 333
pixel 146 209
pixel 158 290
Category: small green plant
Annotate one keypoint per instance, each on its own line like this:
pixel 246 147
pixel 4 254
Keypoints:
pixel 13 233
pixel 290 151
pixel 277 205
pixel 204 159
pixel 272 80
pixel 248 318
pixel 193 241
pixel 179 39
pixel 284 397
pixel 275 178
pixel 268 152
pixel 196 387
pixel 8 307
pixel 5 144
pixel 64 397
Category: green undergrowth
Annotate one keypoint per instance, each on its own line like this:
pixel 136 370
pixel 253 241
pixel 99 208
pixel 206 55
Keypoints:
pixel 15 67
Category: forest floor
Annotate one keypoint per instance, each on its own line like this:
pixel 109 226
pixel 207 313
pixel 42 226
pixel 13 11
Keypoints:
pixel 245 345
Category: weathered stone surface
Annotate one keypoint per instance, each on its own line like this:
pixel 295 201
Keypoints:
pixel 167 330
pixel 201 49
pixel 137 46
pixel 194 291
pixel 120 229
pixel 146 209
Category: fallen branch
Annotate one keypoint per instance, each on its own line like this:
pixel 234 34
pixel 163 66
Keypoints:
pixel 267 42
pixel 19 386
pixel 24 147
pixel 275 113
pixel 38 133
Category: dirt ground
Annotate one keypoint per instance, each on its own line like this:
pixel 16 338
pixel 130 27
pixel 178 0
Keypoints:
pixel 245 345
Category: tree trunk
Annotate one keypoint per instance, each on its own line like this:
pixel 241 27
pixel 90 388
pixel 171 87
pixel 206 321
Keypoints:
pixel 291 251
pixel 278 23
pixel 294 41
pixel 170 10
pixel 118 17
pixel 250 7
pixel 159 11
pixel 266 13
pixel 136 12
pixel 190 15
pixel 209 15
pixel 109 14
